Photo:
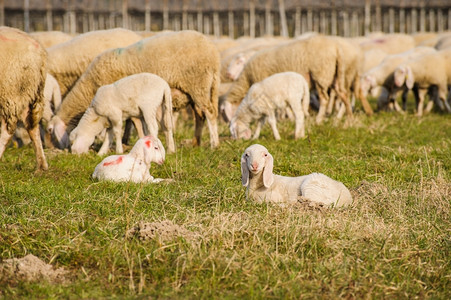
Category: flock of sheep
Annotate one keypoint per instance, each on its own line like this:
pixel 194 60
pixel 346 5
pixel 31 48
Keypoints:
pixel 77 89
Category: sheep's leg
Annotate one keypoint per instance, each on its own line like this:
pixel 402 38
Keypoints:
pixel 421 94
pixel 35 136
pixel 299 130
pixel 127 132
pixel 332 101
pixel 107 141
pixel 138 125
pixel 199 124
pixel 273 123
pixel 404 99
pixel 116 126
pixel 323 100
pixel 213 129
pixel 5 137
pixel 166 123
pixel 260 124
pixel 151 121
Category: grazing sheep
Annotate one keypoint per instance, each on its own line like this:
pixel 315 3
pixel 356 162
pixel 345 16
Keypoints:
pixel 428 70
pixel 382 75
pixel 138 95
pixel 133 166
pixel 264 186
pixel 263 99
pixel 187 60
pixel 68 60
pixel 352 60
pixel 318 57
pixel 23 67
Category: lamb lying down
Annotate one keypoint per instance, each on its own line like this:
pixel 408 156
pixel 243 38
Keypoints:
pixel 133 166
pixel 264 186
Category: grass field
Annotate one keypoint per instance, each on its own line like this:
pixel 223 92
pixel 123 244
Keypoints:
pixel 393 243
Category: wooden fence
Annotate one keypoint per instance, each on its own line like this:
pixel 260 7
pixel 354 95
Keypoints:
pixel 254 21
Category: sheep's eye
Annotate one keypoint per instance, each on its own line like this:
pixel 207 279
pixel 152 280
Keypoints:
pixel 156 148
pixel 246 154
pixel 266 154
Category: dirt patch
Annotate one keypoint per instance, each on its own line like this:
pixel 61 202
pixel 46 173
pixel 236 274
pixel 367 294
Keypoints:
pixel 163 231
pixel 306 204
pixel 30 268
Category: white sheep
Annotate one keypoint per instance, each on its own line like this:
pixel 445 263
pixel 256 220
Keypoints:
pixel 138 95
pixel 426 71
pixel 133 166
pixel 276 92
pixel 382 74
pixel 23 63
pixel 264 186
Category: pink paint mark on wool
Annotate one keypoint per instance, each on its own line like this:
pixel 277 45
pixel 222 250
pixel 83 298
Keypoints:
pixel 4 38
pixel 148 143
pixel 114 162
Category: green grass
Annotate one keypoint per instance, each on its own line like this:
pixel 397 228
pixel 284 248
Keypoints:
pixel 393 243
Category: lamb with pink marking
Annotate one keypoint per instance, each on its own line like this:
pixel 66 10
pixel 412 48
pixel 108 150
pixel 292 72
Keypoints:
pixel 133 166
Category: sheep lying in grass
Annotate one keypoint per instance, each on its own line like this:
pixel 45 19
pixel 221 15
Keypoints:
pixel 133 166
pixel 138 95
pixel 264 186
pixel 276 92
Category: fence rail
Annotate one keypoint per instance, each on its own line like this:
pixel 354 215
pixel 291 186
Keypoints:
pixel 252 18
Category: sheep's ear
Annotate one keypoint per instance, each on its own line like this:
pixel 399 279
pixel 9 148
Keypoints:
pixel 244 170
pixel 409 78
pixel 268 176
pixel 146 151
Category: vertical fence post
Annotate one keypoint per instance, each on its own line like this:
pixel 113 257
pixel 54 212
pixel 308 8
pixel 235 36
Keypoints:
pixel 185 15
pixel 402 20
pixel 200 19
pixel 322 22
pixel 125 13
pixel 309 20
pixel 268 20
pixel 252 18
pixel 391 20
pixel 345 24
pixel 216 24
pixel 297 22
pixel 26 15
pixel 414 20
pixel 367 20
pixel 333 22
pixel 283 19
pixel 231 22
pixel 147 16
pixel 431 20
pixel 245 22
pixel 378 16
pixel 48 15
pixel 165 15
pixel 2 12
pixel 422 18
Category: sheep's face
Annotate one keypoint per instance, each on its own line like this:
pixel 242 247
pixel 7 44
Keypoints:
pixel 150 149
pixel 366 84
pixel 235 67
pixel 57 128
pixel 257 159
pixel 239 130
pixel 400 76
